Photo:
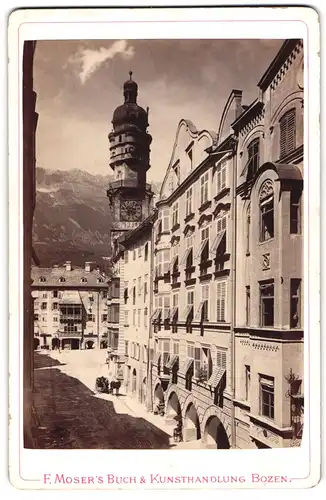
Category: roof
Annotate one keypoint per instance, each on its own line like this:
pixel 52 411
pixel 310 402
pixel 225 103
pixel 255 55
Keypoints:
pixel 285 171
pixel 73 278
pixel 280 58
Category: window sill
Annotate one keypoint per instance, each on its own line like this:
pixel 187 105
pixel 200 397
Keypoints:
pixel 205 277
pixel 175 285
pixel 222 193
pixel 204 206
pixel 269 423
pixel 189 217
pixel 190 281
pixel 175 227
pixel 263 242
pixel 223 272
pixel 206 264
pixel 242 402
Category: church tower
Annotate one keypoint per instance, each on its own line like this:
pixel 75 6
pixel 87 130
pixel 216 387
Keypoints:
pixel 129 194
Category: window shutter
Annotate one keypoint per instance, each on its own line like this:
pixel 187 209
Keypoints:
pixel 223 301
pixel 287 132
pixel 223 356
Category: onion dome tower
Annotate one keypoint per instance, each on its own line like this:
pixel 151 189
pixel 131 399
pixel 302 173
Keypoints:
pixel 130 197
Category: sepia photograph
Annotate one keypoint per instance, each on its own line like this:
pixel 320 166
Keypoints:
pixel 166 304
pixel 164 249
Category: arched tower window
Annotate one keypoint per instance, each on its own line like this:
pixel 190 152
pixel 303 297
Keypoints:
pixel 266 205
pixel 287 133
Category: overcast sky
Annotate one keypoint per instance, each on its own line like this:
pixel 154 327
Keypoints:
pixel 79 84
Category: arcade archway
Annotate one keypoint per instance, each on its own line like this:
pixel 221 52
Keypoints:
pixel 215 435
pixel 191 424
pixel 173 408
pixel 134 381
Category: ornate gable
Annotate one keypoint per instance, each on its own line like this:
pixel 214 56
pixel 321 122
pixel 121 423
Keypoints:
pixel 189 150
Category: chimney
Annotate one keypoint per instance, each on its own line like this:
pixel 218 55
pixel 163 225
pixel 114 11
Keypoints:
pixel 68 265
pixel 87 267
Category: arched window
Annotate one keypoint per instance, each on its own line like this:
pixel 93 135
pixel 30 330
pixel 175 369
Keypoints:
pixel 42 279
pixel 287 133
pixel 248 231
pixel 266 205
pixel 62 279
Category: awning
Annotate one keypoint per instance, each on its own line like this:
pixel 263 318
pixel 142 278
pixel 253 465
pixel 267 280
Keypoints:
pixel 166 314
pixel 216 376
pixel 185 256
pixel 244 171
pixel 156 314
pixel 188 311
pixel 172 361
pixel 199 312
pixel 174 314
pixel 186 366
pixel 217 242
pixel 200 249
pixel 157 357
pixel 174 260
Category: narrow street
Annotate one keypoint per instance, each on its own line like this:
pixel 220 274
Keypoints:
pixel 69 414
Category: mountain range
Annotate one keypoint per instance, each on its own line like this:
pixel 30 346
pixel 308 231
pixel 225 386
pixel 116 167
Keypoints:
pixel 72 218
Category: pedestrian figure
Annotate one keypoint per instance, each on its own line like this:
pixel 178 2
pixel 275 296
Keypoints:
pixel 115 384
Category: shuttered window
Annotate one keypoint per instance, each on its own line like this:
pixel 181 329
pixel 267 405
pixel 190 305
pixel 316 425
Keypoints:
pixel 287 133
pixel 221 359
pixel 220 300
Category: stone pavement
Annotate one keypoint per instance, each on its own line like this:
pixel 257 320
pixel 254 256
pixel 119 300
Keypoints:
pixel 69 415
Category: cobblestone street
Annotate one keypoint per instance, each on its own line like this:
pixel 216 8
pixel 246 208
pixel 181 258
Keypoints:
pixel 69 415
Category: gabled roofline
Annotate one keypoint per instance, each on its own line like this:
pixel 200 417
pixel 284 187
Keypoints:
pixel 284 52
pixel 252 110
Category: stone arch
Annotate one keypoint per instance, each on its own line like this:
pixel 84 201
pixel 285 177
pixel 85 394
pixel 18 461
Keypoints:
pixel 90 344
pixel 158 393
pixel 255 132
pixel 213 411
pixel 290 101
pixel 191 424
pixel 173 406
pixel 189 399
pixel 266 189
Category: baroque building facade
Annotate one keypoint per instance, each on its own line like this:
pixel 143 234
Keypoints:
pixel 225 336
pixel 269 291
pixel 70 307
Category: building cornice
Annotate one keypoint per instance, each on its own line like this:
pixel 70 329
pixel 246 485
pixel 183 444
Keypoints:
pixel 280 58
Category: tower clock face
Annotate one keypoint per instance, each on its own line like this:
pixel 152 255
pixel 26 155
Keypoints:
pixel 130 210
